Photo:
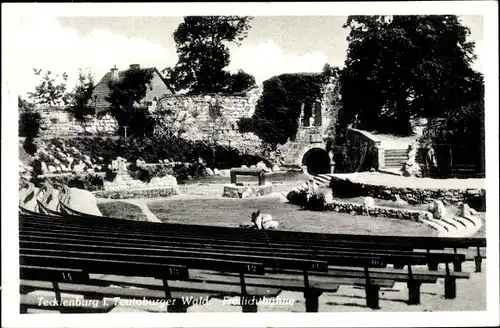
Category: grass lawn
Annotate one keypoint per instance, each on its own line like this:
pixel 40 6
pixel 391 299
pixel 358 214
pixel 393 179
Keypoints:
pixel 231 212
pixel 122 210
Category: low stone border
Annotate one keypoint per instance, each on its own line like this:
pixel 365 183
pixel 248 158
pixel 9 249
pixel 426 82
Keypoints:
pixel 234 191
pixel 137 193
pixel 390 212
pixel 476 198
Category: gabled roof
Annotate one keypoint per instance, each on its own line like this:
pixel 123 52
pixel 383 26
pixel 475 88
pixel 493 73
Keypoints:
pixel 102 90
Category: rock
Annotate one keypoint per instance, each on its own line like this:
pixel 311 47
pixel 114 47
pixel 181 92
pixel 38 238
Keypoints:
pixel 216 171
pixel 253 166
pixel 209 171
pixel 368 202
pixel 244 166
pixel 261 165
pixel 438 209
pixel 45 169
pixel 52 169
pixel 465 210
pixel 275 168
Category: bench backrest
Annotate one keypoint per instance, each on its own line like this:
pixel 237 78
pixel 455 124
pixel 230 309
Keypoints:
pixel 252 172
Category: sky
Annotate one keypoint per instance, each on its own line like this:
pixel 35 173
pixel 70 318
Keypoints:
pixel 275 44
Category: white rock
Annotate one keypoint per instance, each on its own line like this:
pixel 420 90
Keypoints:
pixel 216 171
pixel 52 169
pixel 261 165
pixel 275 168
pixel 209 171
pixel 465 210
pixel 439 210
pixel 368 202
pixel 44 168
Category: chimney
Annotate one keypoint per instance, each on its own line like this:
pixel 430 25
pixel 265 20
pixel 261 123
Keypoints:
pixel 114 73
pixel 135 66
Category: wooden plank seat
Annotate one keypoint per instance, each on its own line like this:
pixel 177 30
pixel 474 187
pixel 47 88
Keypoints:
pixel 307 237
pixel 327 254
pixel 407 243
pixel 66 304
pixel 199 259
pixel 413 277
pixel 314 285
pixel 158 234
pixel 169 289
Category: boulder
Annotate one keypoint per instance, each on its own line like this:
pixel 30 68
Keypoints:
pixel 209 171
pixel 244 166
pixel 253 166
pixel 438 209
pixel 45 169
pixel 368 202
pixel 216 171
pixel 465 210
pixel 261 165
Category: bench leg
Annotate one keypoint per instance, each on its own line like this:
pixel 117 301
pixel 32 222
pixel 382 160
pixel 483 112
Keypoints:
pixel 450 287
pixel 414 292
pixel 249 308
pixel 457 266
pixel 177 306
pixel 248 304
pixel 312 300
pixel 372 298
pixel 478 260
pixel 433 266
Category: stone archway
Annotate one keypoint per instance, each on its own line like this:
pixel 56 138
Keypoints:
pixel 317 161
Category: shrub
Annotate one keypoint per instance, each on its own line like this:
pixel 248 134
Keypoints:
pixel 29 123
pixel 29 146
pixel 110 175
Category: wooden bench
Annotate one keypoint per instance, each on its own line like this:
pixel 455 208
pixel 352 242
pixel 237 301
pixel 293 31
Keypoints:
pixel 73 232
pixel 325 253
pixel 97 288
pixel 251 172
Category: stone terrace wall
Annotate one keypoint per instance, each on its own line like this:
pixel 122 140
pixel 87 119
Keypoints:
pixel 193 114
pixel 199 125
pixel 57 122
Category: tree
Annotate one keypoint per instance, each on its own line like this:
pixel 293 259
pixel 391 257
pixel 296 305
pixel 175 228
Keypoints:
pixel 202 46
pixel 404 67
pixel 277 112
pixel 29 119
pixel 81 106
pixel 240 81
pixel 125 96
pixel 51 91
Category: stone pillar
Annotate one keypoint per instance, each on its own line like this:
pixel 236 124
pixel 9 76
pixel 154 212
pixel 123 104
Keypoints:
pixel 301 117
pixel 381 157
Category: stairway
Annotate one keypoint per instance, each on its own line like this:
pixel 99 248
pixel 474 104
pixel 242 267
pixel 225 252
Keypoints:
pixel 394 158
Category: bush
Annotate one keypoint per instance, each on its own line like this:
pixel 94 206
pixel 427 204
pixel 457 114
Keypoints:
pixel 29 123
pixel 29 146
pixel 90 182
pixel 110 175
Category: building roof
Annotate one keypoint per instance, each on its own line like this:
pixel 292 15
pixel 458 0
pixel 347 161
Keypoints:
pixel 101 90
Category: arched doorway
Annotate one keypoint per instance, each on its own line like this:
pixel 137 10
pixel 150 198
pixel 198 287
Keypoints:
pixel 317 161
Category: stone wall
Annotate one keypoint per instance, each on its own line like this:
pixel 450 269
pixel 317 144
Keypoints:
pixel 136 193
pixel 58 122
pixel 476 198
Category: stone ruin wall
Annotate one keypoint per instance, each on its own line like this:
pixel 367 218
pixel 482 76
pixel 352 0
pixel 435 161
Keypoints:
pixel 194 111
pixel 193 114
